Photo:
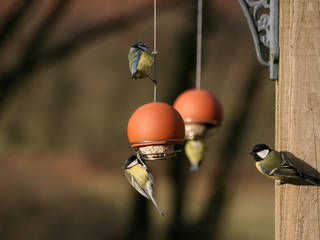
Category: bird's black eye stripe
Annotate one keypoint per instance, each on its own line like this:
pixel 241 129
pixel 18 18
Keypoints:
pixel 140 45
pixel 142 48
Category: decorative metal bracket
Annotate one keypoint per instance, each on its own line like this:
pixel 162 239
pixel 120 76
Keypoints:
pixel 264 30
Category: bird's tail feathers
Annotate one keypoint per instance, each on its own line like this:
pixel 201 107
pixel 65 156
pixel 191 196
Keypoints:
pixel 156 204
pixel 311 179
pixel 194 167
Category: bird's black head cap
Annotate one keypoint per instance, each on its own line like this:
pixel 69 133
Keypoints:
pixel 130 160
pixel 260 147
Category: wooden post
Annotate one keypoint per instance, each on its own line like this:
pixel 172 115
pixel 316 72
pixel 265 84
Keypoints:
pixel 297 213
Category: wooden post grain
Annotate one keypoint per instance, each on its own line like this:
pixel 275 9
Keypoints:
pixel 297 213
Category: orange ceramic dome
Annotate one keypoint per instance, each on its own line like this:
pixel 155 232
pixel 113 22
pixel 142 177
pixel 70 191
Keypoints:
pixel 199 106
pixel 154 124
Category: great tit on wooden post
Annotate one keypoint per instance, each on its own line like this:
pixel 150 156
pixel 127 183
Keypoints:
pixel 195 150
pixel 139 176
pixel 140 61
pixel 280 166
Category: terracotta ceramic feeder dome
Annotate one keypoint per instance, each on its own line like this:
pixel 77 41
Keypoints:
pixel 154 129
pixel 200 110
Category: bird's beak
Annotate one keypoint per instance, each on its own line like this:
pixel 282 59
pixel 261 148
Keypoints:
pixel 252 153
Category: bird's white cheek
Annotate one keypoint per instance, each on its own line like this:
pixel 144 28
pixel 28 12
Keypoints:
pixel 262 154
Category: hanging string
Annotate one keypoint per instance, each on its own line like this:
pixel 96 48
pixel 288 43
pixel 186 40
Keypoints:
pixel 154 52
pixel 199 43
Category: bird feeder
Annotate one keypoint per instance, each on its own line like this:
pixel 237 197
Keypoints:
pixel 154 130
pixel 200 110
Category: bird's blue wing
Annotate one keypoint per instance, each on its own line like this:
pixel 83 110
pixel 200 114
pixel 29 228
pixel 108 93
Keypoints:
pixel 135 62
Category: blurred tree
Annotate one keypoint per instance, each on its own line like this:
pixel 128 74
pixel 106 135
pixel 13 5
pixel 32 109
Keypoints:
pixel 207 226
pixel 183 79
pixel 35 54
pixel 139 224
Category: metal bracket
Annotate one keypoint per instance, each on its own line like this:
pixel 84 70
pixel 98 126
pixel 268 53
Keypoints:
pixel 264 30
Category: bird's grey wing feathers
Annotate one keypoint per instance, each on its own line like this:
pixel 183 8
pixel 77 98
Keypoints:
pixel 303 170
pixel 136 185
pixel 286 163
pixel 279 173
pixel 287 168
pixel 135 62
pixel 150 176
pixel 293 161
pixel 289 161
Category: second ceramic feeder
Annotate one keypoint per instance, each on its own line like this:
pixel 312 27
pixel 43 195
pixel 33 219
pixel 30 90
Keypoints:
pixel 154 130
pixel 200 110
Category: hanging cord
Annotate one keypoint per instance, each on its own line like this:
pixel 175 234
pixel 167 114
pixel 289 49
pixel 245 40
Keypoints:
pixel 199 43
pixel 154 52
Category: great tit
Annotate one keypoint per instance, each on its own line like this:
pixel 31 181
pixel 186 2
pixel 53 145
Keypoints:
pixel 139 176
pixel 280 166
pixel 140 61
pixel 194 150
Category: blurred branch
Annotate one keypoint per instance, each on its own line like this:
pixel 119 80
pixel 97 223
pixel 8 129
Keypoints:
pixel 44 30
pixel 10 79
pixel 11 21
pixel 178 172
pixel 32 58
pixel 107 26
pixel 184 79
pixel 139 224
pixel 178 167
pixel 208 224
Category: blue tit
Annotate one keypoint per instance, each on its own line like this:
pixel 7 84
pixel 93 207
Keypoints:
pixel 195 150
pixel 139 176
pixel 140 61
pixel 280 166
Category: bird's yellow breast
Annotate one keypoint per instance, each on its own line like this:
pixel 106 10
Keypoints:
pixel 145 62
pixel 140 174
pixel 264 171
pixel 194 150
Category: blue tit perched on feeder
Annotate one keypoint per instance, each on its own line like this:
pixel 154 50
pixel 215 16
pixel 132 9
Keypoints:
pixel 195 150
pixel 139 176
pixel 140 61
pixel 280 166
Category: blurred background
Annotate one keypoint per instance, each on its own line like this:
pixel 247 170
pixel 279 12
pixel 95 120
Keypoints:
pixel 65 99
